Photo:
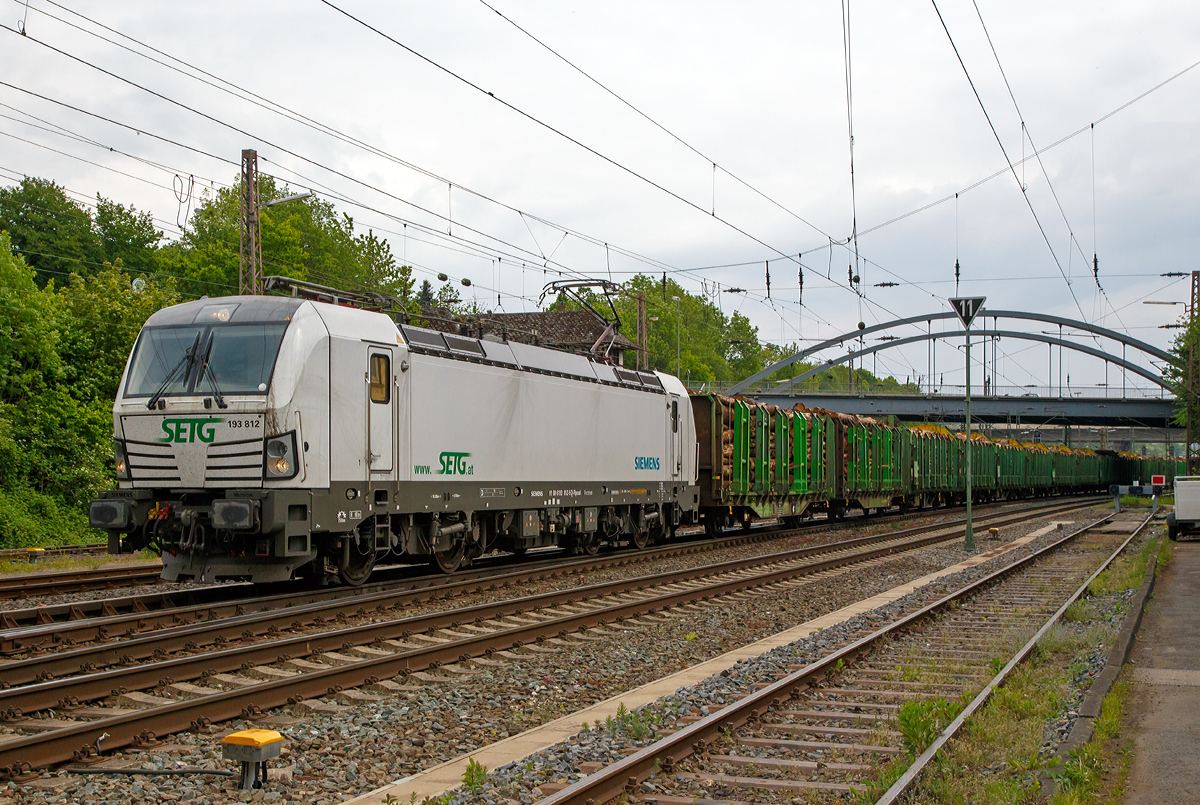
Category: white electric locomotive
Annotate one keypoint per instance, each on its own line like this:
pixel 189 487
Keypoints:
pixel 270 437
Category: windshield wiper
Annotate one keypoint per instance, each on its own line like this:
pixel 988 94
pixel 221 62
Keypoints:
pixel 186 360
pixel 206 369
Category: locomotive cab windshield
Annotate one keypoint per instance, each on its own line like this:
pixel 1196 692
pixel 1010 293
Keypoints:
pixel 217 353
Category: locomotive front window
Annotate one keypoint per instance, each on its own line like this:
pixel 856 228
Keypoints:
pixel 240 359
pixel 161 354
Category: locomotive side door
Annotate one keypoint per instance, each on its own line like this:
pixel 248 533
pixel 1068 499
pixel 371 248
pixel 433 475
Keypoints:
pixel 676 458
pixel 380 419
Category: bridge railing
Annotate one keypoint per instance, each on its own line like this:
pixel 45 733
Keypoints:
pixel 1110 392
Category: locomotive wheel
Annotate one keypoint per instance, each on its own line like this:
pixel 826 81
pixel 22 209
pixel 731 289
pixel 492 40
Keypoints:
pixel 641 539
pixel 358 569
pixel 589 544
pixel 448 561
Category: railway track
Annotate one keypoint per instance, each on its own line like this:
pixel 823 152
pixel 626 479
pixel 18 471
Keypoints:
pixel 62 702
pixel 88 549
pixel 823 730
pixel 31 585
pixel 37 628
pixel 57 582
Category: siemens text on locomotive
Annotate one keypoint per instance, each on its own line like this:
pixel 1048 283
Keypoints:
pixel 272 437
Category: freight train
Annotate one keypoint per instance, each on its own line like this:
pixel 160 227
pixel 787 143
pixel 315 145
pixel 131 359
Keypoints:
pixel 275 437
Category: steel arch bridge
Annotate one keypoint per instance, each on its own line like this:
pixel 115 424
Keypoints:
pixel 995 315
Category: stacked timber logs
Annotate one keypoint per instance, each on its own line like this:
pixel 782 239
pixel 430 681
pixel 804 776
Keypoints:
pixel 757 412
pixel 726 404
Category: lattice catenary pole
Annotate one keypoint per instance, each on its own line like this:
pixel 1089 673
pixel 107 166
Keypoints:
pixel 250 271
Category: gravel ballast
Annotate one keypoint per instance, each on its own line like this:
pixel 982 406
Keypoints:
pixel 335 755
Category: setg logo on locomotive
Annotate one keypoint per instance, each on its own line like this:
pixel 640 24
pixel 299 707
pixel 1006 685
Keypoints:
pixel 645 462
pixel 455 464
pixel 186 430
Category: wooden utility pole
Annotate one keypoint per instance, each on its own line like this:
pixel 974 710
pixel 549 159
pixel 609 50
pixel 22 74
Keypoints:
pixel 250 270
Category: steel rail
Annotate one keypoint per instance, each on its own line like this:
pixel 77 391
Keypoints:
pixel 142 609
pixel 910 775
pixel 32 629
pixel 189 637
pixel 58 582
pixel 23 585
pixel 54 550
pixel 63 744
pixel 221 600
pixel 611 782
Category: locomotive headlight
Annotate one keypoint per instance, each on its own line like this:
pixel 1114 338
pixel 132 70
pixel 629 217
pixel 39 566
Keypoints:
pixel 120 460
pixel 280 459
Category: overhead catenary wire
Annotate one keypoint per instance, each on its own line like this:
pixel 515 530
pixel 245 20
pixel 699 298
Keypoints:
pixel 660 126
pixel 1011 167
pixel 200 113
pixel 855 284
pixel 62 131
pixel 777 286
pixel 1062 140
pixel 80 198
pixel 596 241
pixel 282 149
pixel 235 90
pixel 1037 155
pixel 556 131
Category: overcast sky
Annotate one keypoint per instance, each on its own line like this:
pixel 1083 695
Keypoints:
pixel 756 88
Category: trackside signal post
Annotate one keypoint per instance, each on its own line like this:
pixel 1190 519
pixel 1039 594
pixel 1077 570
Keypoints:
pixel 967 308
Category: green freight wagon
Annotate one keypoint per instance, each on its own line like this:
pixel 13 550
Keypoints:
pixel 757 461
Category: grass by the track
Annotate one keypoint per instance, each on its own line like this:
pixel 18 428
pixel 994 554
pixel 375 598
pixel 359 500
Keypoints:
pixel 994 758
pixel 77 562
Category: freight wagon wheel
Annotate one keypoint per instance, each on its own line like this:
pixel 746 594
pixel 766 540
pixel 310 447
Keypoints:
pixel 589 544
pixel 448 561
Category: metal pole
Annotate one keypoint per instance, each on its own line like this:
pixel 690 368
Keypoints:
pixel 250 243
pixel 643 361
pixel 1191 453
pixel 970 544
pixel 677 362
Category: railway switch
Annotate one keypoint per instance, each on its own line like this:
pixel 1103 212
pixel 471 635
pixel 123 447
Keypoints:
pixel 252 748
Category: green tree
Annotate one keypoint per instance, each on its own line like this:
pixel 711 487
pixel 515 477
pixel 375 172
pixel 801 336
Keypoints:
pixel 126 235
pixel 1186 348
pixel 711 345
pixel 53 233
pixel 425 296
pixel 304 239
pixel 52 446
pixel 28 330
pixel 101 316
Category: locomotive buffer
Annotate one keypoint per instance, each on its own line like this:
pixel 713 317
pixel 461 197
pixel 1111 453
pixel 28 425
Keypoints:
pixel 967 307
